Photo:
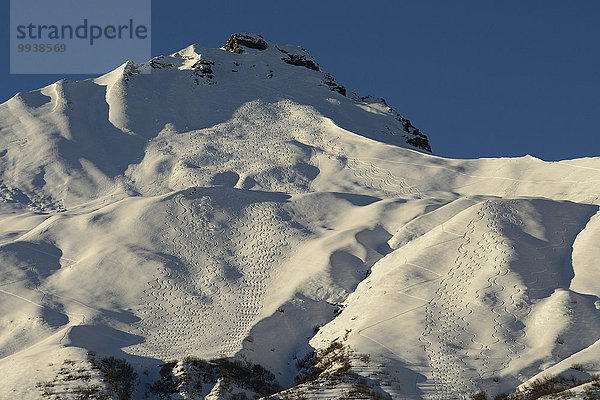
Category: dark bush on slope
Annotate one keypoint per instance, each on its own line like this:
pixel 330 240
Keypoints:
pixel 192 374
pixel 550 385
pixel 118 374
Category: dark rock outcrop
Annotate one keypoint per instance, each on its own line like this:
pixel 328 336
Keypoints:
pixel 160 63
pixel 203 69
pixel 333 85
pixel 419 141
pixel 414 137
pixel 238 41
pixel 300 60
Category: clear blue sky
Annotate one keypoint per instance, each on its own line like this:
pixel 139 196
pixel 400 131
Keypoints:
pixel 481 78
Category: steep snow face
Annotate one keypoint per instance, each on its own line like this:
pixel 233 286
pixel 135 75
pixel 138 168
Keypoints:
pixel 240 202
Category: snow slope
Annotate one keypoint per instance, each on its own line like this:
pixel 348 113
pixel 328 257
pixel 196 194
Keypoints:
pixel 235 201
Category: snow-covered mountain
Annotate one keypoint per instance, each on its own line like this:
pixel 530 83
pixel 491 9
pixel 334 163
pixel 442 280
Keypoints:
pixel 240 206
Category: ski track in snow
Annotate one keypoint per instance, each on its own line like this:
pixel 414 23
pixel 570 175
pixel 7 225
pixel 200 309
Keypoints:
pixel 459 356
pixel 366 174
pixel 194 307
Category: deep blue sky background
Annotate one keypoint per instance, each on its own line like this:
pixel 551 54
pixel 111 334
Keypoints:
pixel 481 78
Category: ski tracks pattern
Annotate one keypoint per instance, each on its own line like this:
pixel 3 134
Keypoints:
pixel 205 298
pixel 365 173
pixel 472 324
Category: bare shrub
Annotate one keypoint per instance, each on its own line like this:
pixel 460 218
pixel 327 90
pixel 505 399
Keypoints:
pixel 362 390
pixel 168 384
pixel 194 372
pixel 578 367
pixel 481 395
pixel 118 374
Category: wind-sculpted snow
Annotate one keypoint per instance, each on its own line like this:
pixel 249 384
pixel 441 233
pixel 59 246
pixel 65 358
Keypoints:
pixel 237 202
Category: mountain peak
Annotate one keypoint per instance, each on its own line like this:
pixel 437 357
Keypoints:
pixel 248 60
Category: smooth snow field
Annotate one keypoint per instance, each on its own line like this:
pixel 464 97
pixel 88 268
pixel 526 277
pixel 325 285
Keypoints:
pixel 215 204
